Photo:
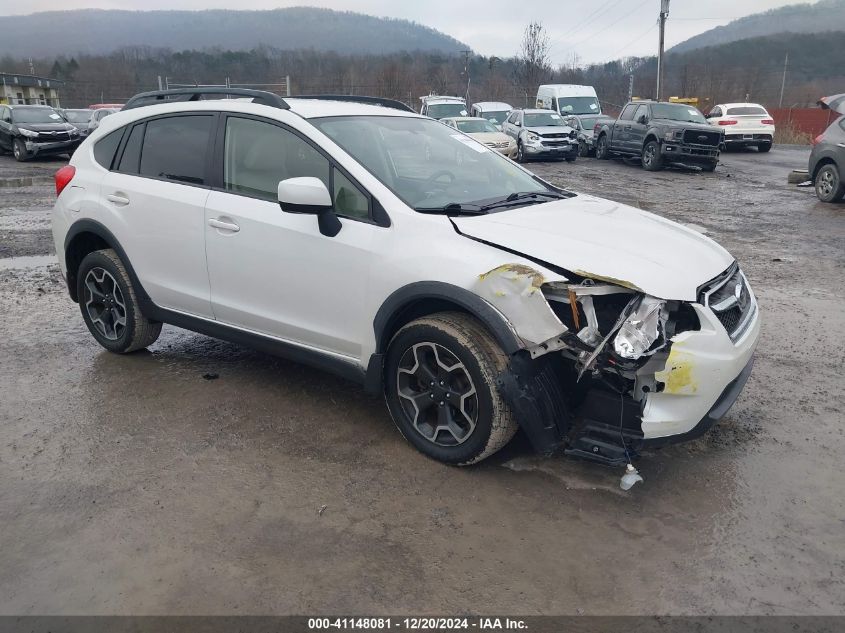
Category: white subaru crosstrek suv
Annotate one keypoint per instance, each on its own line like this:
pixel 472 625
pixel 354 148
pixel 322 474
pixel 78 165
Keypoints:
pixel 477 297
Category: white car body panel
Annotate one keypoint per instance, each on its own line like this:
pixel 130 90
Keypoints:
pixel 279 277
pixel 607 240
pixel 746 124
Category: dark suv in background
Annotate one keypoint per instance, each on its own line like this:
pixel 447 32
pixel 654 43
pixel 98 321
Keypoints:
pixel 36 130
pixel 827 162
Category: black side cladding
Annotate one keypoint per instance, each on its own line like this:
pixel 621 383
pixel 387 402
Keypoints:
pixel 532 388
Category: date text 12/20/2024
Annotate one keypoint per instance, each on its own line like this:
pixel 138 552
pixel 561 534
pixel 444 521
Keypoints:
pixel 417 624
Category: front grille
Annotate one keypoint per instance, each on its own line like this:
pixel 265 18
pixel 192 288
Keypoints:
pixel 556 143
pixel 47 137
pixel 555 135
pixel 731 300
pixel 701 137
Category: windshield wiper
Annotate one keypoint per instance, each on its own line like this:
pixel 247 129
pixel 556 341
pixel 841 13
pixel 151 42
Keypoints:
pixel 519 196
pixel 453 208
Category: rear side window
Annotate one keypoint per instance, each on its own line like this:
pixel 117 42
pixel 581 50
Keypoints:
pixel 175 148
pixel 105 148
pixel 132 151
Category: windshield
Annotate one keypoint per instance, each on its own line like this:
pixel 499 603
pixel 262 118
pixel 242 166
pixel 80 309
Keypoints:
pixel 543 119
pixel 78 116
pixel 426 164
pixel 578 105
pixel 496 117
pixel 442 110
pixel 675 112
pixel 476 127
pixel 36 115
pixel 748 110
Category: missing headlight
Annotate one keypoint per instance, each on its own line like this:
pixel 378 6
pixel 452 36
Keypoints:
pixel 640 331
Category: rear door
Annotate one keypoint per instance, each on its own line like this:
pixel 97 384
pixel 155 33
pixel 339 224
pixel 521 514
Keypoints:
pixel 636 135
pixel 5 128
pixel 620 137
pixel 155 200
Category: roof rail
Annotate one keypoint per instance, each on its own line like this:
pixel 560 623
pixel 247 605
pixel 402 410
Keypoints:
pixel 378 101
pixel 195 94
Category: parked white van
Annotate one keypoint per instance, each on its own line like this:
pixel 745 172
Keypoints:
pixel 566 99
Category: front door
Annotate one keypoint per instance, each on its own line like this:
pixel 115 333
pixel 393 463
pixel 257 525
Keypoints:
pixel 639 127
pixel 273 272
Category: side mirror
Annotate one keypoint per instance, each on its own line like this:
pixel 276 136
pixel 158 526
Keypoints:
pixel 643 119
pixel 310 195
pixel 517 124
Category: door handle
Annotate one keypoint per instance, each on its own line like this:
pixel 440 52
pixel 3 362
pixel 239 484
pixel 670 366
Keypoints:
pixel 118 200
pixel 224 226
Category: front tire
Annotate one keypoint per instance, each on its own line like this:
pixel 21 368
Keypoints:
pixel 440 388
pixel 709 167
pixel 602 148
pixel 583 150
pixel 571 158
pixel 19 151
pixel 109 306
pixel 520 152
pixel 652 159
pixel 829 185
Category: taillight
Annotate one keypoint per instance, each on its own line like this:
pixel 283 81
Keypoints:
pixel 63 178
pixel 768 121
pixel 727 122
pixel 818 139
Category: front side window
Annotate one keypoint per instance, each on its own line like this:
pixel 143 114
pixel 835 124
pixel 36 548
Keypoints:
pixel 642 111
pixel 258 155
pixel 348 199
pixel 426 164
pixel 175 148
pixel 628 112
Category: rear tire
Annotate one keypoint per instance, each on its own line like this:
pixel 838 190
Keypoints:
pixel 828 183
pixel 109 306
pixel 440 388
pixel 652 159
pixel 764 147
pixel 602 149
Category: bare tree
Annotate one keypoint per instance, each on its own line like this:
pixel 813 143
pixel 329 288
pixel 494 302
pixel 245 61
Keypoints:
pixel 533 66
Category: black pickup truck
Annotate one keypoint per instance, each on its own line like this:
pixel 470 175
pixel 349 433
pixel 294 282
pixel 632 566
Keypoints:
pixel 660 133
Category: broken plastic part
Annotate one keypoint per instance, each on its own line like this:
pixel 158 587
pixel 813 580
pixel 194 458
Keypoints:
pixel 642 329
pixel 514 289
pixel 631 477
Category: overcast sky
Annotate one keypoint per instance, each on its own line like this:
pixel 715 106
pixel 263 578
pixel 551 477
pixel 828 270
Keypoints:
pixel 595 30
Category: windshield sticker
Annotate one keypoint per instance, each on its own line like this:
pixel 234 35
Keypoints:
pixel 555 116
pixel 466 140
pixel 55 116
pixel 593 106
pixel 693 112
pixel 463 112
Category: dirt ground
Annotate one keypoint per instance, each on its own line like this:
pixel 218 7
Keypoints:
pixel 135 485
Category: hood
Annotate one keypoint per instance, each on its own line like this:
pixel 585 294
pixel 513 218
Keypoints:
pixel 45 127
pixel 491 137
pixel 550 129
pixel 704 127
pixel 606 240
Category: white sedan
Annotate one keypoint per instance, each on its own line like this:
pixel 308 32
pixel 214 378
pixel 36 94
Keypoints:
pixel 485 132
pixel 744 124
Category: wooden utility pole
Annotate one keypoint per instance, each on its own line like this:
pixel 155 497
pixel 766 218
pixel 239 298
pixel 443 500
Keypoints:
pixel 783 81
pixel 664 13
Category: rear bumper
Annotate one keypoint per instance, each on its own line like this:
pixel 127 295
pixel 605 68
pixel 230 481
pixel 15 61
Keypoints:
pixel 748 138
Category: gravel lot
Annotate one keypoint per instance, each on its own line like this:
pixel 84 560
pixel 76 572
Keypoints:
pixel 133 485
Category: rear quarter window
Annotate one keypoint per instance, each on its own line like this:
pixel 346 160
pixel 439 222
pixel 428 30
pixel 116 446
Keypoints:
pixel 105 148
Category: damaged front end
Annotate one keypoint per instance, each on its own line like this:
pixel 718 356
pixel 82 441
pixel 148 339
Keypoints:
pixel 594 351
